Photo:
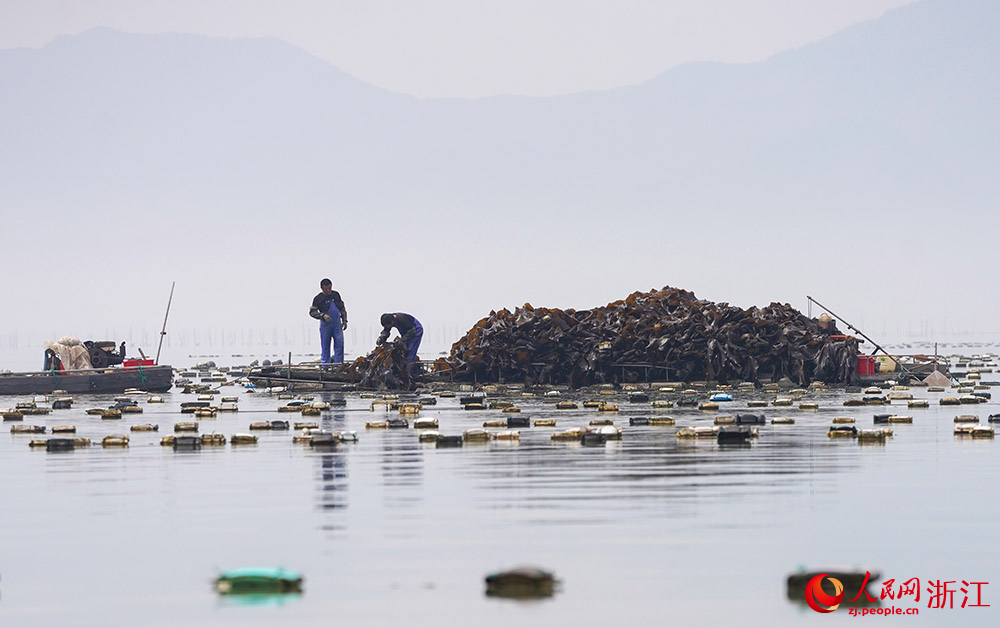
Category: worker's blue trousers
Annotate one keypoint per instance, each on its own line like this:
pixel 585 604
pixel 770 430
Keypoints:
pixel 414 343
pixel 331 331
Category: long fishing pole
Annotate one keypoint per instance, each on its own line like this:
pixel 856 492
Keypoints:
pixel 860 333
pixel 163 332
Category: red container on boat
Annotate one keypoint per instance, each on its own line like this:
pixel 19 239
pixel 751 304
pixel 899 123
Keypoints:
pixel 137 362
pixel 866 365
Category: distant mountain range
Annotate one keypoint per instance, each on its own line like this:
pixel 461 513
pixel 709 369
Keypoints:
pixel 882 129
pixel 248 123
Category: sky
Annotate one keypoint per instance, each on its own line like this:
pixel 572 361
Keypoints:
pixel 462 48
pixel 448 49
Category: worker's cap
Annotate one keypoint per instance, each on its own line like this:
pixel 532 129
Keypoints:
pixel 386 319
pixel 824 318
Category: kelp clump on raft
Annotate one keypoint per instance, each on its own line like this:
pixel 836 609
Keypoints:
pixel 385 367
pixel 661 334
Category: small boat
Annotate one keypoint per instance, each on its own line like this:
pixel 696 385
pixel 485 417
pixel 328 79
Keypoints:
pixel 115 379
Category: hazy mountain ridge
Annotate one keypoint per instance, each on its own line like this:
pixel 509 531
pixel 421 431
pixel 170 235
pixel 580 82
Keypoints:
pixel 239 153
pixel 258 114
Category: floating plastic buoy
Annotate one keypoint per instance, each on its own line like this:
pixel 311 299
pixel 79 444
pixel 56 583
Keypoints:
pixel 62 404
pixel 511 410
pixel 872 436
pixel 64 429
pixel 521 583
pixel 843 420
pixel 900 419
pixel 597 422
pixel 725 420
pixel 808 405
pixel 495 423
pixel 474 406
pixel 573 434
pixel 145 427
pixel 213 440
pixel 757 404
pixel 60 444
pixel 593 439
pixel 545 422
pixel 429 437
pixel 592 404
pixel 115 440
pixel 449 441
pixel 566 405
pixel 205 413
pixel 517 421
pixel 842 431
pixel 663 403
pixel 698 432
pixel 425 424
pixel 918 403
pixel 607 407
pixel 27 429
pixel 732 435
pixel 967 418
pixel 610 432
pixel 507 435
pixel 708 406
pixel 782 420
pixel 750 419
pixel 111 414
pixel 243 439
pixel 377 425
pixel 476 435
pixel 662 421
pixel 186 427
pixel 975 431
pixel 782 401
pixel 258 581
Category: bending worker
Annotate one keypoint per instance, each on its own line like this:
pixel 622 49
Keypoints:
pixel 410 332
pixel 329 308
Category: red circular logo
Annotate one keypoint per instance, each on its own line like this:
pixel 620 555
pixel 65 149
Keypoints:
pixel 817 598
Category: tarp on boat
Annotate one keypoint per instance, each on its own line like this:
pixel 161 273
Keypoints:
pixel 72 353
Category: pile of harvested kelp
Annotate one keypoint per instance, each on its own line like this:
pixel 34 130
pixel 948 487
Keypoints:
pixel 384 368
pixel 666 334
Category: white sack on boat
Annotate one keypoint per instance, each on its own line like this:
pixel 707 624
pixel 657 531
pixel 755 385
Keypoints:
pixel 71 352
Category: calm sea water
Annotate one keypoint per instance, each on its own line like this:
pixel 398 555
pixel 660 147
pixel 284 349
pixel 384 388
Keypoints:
pixel 649 530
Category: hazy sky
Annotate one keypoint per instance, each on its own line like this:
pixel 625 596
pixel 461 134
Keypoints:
pixel 233 286
pixel 472 48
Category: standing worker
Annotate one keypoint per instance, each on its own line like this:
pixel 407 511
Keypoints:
pixel 329 309
pixel 410 332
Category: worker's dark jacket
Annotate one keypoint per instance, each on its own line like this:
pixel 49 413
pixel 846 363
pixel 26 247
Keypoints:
pixel 407 326
pixel 321 305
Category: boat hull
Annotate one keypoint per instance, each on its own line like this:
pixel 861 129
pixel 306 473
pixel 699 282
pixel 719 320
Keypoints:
pixel 95 381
